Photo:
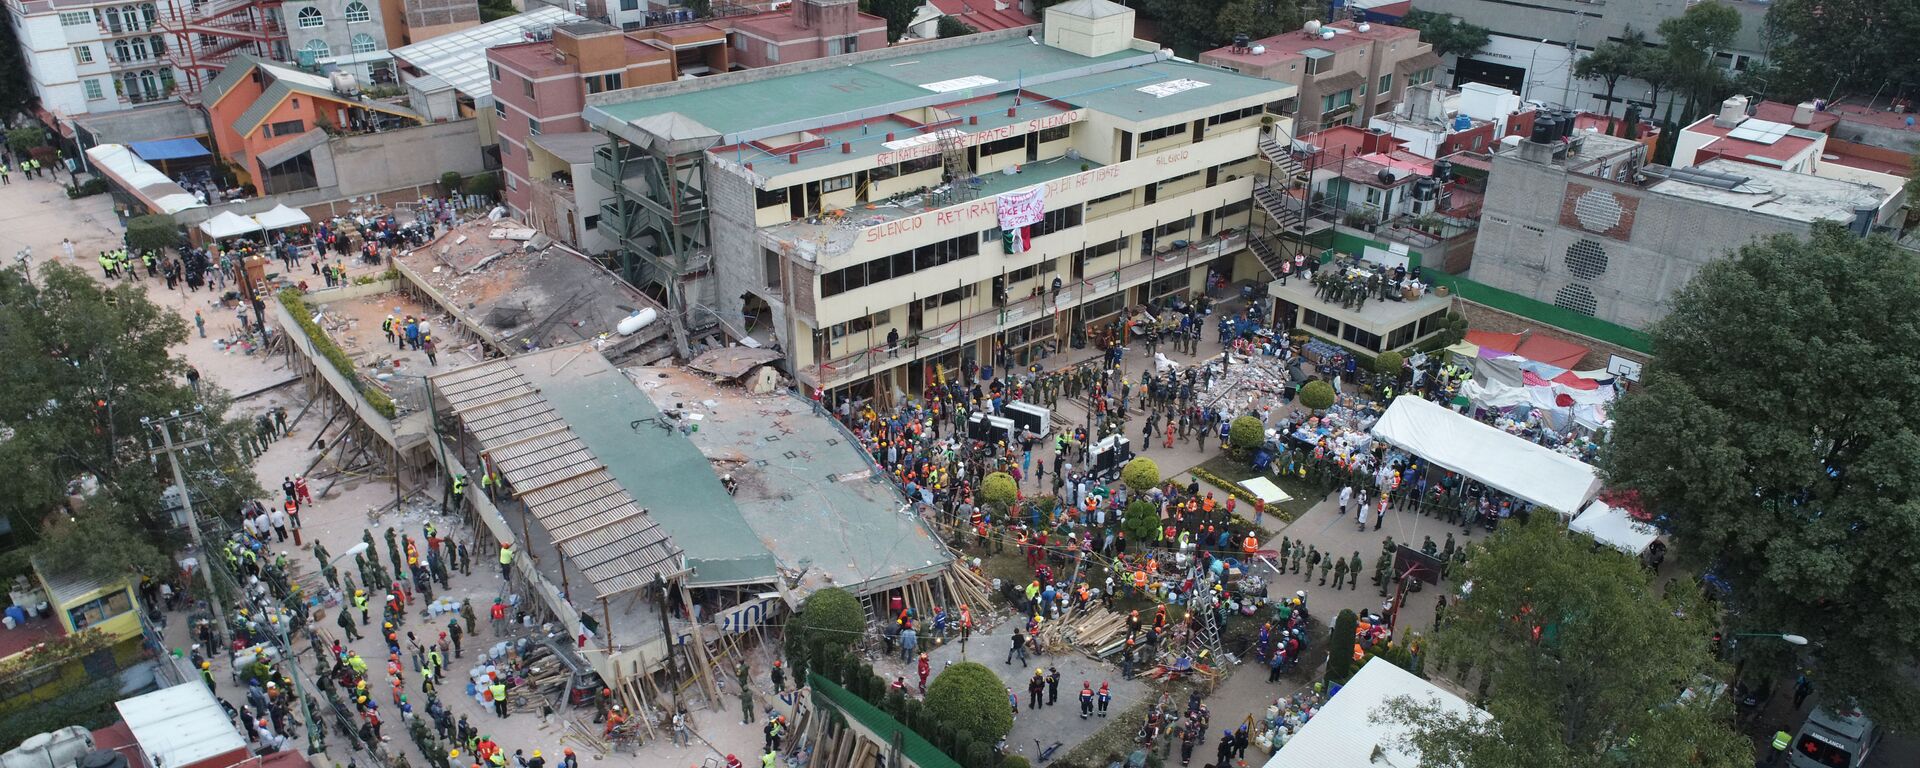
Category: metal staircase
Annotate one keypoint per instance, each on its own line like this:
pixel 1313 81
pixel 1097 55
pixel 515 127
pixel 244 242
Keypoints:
pixel 1275 262
pixel 1284 164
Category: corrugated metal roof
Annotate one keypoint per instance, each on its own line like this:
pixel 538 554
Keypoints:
pixel 181 725
pixel 460 58
pixel 594 522
pixel 64 586
pixel 577 440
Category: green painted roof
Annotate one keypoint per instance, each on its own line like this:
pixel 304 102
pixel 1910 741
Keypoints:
pixel 822 94
pixel 663 472
pixel 236 70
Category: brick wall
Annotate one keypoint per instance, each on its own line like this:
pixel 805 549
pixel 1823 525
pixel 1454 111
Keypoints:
pixel 1481 317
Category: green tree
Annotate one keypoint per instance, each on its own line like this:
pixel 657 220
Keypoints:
pixel 1192 26
pixel 1828 48
pixel 949 26
pixel 896 12
pixel 999 490
pixel 1246 432
pixel 495 10
pixel 1692 40
pixel 1611 61
pixel 16 92
pixel 1447 34
pixel 1583 662
pixel 1140 474
pixel 86 364
pixel 829 618
pixel 970 699
pixel 485 185
pixel 1317 395
pixel 152 232
pixel 1797 489
pixel 1142 521
pixel 1340 646
pixel 1389 363
pixel 24 139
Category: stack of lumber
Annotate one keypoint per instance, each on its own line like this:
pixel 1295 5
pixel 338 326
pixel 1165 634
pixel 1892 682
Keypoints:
pixel 968 588
pixel 1098 633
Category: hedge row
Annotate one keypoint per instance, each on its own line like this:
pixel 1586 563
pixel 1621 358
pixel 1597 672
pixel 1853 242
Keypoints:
pixel 297 306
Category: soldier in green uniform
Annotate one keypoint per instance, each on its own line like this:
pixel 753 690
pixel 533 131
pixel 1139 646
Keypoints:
pixel 1313 561
pixel 1326 565
pixel 1297 552
pixel 1339 573
pixel 1353 568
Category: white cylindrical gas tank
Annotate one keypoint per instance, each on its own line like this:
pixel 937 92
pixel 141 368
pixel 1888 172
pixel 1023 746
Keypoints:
pixel 344 82
pixel 631 324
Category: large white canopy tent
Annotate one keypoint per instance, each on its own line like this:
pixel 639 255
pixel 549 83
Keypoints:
pixel 281 217
pixel 228 224
pixel 1615 528
pixel 1346 733
pixel 1510 464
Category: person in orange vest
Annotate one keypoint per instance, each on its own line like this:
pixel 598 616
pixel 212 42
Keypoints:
pixel 1251 545
pixel 1140 582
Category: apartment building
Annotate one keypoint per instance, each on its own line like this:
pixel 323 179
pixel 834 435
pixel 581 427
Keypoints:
pixel 547 161
pixel 1348 72
pixel 348 34
pixel 92 57
pixel 986 198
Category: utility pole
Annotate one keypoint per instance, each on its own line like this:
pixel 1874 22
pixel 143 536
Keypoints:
pixel 172 450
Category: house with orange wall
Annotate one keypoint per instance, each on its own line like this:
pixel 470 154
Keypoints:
pixel 268 118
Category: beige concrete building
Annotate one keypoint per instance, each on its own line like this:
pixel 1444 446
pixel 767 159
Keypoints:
pixel 1348 72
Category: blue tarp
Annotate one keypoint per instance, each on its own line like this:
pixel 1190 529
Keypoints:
pixel 168 149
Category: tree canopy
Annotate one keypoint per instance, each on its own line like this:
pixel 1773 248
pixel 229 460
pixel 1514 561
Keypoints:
pixel 970 699
pixel 1448 35
pixel 1583 663
pixel 1140 474
pixel 1687 59
pixel 830 617
pixel 1778 429
pixel 1192 26
pixel 1828 48
pixel 1612 60
pixel 999 489
pixel 85 364
pixel 1316 394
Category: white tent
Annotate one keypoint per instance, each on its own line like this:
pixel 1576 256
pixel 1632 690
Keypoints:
pixel 1614 527
pixel 281 217
pixel 228 224
pixel 1507 463
pixel 1345 733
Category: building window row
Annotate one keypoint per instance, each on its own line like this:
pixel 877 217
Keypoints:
pixel 1238 114
pixel 596 83
pixel 860 324
pixel 904 167
pixel 124 18
pixel 900 264
pixel 311 18
pixel 1161 133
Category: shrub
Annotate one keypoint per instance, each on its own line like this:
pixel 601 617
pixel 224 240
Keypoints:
pixel 451 182
pixel 1141 521
pixel 999 490
pixel 972 701
pixel 1317 395
pixel 25 138
pixel 1389 363
pixel 1014 761
pixel 484 185
pixel 1140 474
pixel 830 622
pixel 88 188
pixel 152 232
pixel 1340 647
pixel 1247 432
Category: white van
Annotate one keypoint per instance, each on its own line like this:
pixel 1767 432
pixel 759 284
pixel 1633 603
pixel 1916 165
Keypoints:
pixel 1834 740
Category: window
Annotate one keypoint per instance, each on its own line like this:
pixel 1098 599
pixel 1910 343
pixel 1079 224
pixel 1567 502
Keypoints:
pixel 1319 321
pixel 1161 133
pixel 1003 145
pixel 533 127
pixel 526 86
pixel 607 82
pixel 1386 84
pixel 99 611
pixel 593 222
pixel 505 150
pixel 773 52
pixel 149 14
pixel 1317 64
pixel 357 12
pixel 93 90
pixel 1238 114
pixel 83 54
pixel 76 18
pixel 286 128
pixel 1432 323
pixel 1362 339
pixel 629 5
pixel 740 43
pixel 1054 221
pixel 319 48
pixel 159 45
pixel 1400 336
pixel 139 49
pixel 364 43
pixel 1333 101
pixel 770 267
pixel 837 183
pixel 768 198
pixel 1056 133
pixel 499 109
pixel 309 18
pixel 898 265
pixel 861 324
pixel 1421 77
pixel 122 52
pixel 494 70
